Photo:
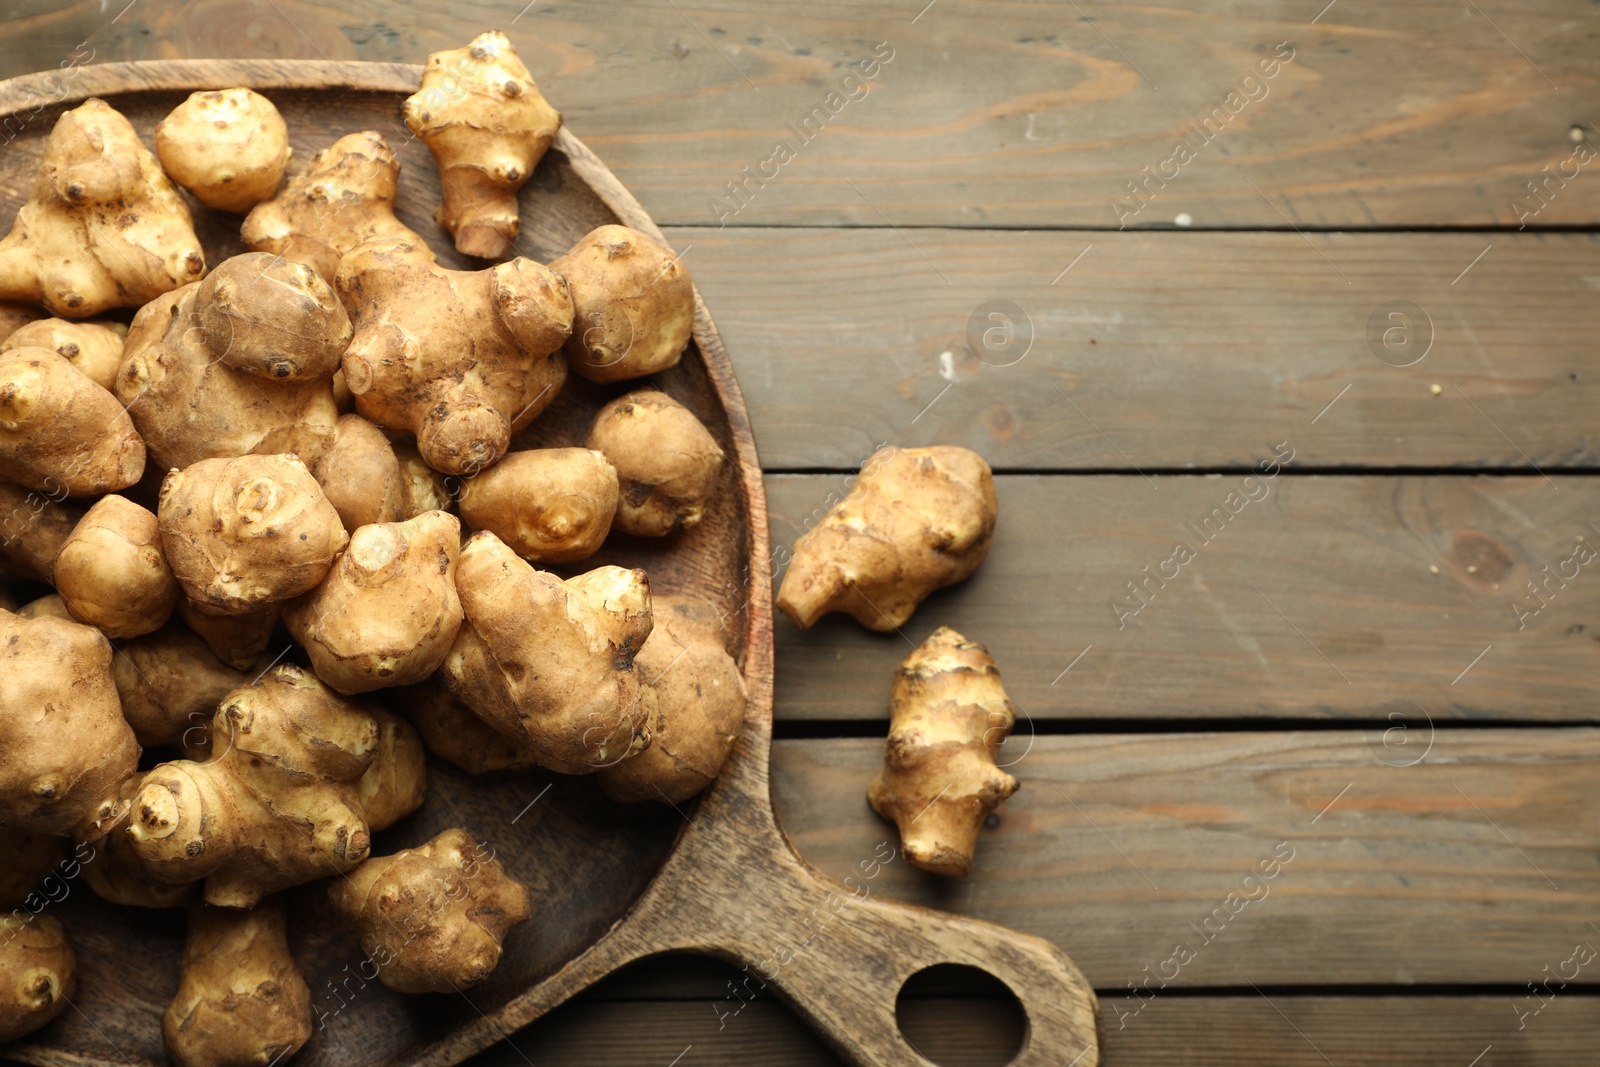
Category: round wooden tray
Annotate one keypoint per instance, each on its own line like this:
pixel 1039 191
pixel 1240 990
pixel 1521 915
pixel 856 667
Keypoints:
pixel 611 883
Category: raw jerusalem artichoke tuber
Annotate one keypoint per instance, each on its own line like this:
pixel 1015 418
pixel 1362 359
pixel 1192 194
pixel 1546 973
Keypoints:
pixel 549 505
pixel 59 430
pixel 667 462
pixel 272 318
pixel 38 973
pixel 170 684
pixel 452 731
pixel 948 716
pixel 113 869
pixel 362 477
pixel 92 347
pixel 633 305
pixel 34 524
pixel 112 572
pixel 918 519
pixel 236 640
pixel 228 147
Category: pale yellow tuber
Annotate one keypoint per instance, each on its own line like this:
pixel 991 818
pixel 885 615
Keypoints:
pixel 429 490
pixel 344 198
pixel 433 919
pixel 693 700
pixel 242 534
pixel 104 227
pixel 93 347
pixel 59 430
pixel 486 123
pixel 667 462
pixel 112 572
pixel 388 612
pixel 948 715
pixel 917 520
pixel 550 662
pixel 633 305
pixel 460 359
pixel 38 973
pixel 228 147
pixel 241 1001
pixel 550 505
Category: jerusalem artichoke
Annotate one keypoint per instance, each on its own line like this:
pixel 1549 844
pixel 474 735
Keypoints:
pixel 226 146
pixel 38 973
pixel 112 571
pixel 93 347
pixel 34 524
pixel 633 305
pixel 452 731
pixel 170 684
pixel 113 869
pixel 273 318
pixel 362 477
pixel 667 462
pixel 550 505
pixel 236 640
pixel 60 430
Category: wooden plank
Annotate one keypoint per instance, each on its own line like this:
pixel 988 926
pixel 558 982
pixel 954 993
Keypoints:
pixel 1161 350
pixel 1318 600
pixel 1475 864
pixel 1312 1031
pixel 991 113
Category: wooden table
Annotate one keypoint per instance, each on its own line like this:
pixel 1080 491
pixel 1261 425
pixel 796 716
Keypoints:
pixel 1371 272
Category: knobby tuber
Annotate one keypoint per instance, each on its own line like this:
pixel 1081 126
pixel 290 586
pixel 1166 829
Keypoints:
pixel 104 227
pixel 633 305
pixel 482 116
pixel 948 716
pixel 170 683
pixel 460 359
pixel 242 534
pixel 273 318
pixel 667 462
pixel 433 918
pixel 236 640
pixel 452 731
pixel 693 700
pixel 38 973
pixel 112 572
pixel 228 147
pixel 59 430
pixel 241 1002
pixel 550 505
pixel 94 348
pixel 550 662
pixel 114 871
pixel 918 519
pixel 388 611
pixel 362 477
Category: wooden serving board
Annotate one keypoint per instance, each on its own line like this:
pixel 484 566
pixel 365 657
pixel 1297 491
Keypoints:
pixel 612 883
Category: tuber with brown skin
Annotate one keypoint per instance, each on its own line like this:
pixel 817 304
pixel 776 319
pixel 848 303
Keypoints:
pixel 388 611
pixel 34 524
pixel 667 462
pixel 236 640
pixel 550 662
pixel 453 732
pixel 49 606
pixel 693 699
pixel 460 359
pixel 278 805
pixel 917 520
pixel 64 747
pixel 14 314
pixel 241 1001
pixel 113 869
pixel 549 505
pixel 228 147
pixel 242 534
pixel 344 198
pixel 362 477
pixel 92 347
pixel 397 780
pixel 633 305
pixel 170 684
pixel 38 973
pixel 59 430
pixel 112 572
pixel 104 227
pixel 433 918
pixel 482 116
pixel 948 716
pixel 272 318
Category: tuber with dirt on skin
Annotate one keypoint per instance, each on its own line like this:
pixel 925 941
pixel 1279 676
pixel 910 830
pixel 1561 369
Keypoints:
pixel 227 147
pixel 238 641
pixel 667 462
pixel 453 732
pixel 112 572
pixel 64 747
pixel 388 611
pixel 170 683
pixel 241 1002
pixel 344 198
pixel 633 305
pixel 433 918
pixel 917 520
pixel 482 116
pixel 114 871
pixel 693 699
pixel 948 716
pixel 459 359
pixel 59 430
pixel 272 318
pixel 550 662
pixel 92 347
pixel 34 524
pixel 549 505
pixel 104 227
pixel 277 806
pixel 243 534
pixel 38 973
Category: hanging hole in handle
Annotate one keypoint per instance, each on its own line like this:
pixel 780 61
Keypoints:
pixel 960 1016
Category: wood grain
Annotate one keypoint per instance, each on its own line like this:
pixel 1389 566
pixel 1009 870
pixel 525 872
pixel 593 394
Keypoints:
pixel 991 113
pixel 1316 601
pixel 1173 350
pixel 1476 864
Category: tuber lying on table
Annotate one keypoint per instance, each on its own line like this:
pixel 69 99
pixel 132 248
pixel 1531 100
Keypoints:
pixel 228 147
pixel 433 918
pixel 487 125
pixel 549 505
pixel 667 462
pixel 94 348
pixel 550 662
pixel 633 305
pixel 241 1001
pixel 38 973
pixel 917 520
pixel 61 432
pixel 948 716
pixel 112 572
pixel 104 227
